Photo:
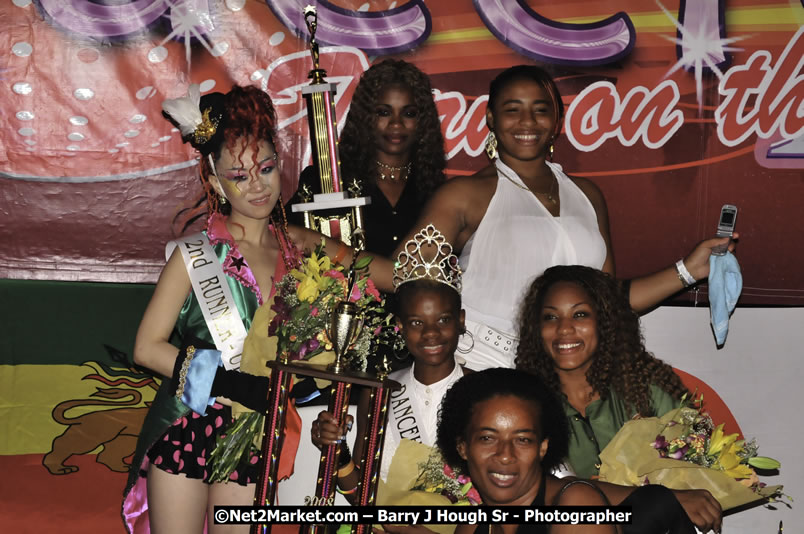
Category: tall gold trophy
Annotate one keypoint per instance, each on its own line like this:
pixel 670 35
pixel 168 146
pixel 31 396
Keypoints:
pixel 334 213
pixel 345 326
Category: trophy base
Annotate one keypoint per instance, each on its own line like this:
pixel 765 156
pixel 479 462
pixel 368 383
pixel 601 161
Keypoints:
pixel 326 373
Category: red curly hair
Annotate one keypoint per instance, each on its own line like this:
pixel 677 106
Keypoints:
pixel 243 112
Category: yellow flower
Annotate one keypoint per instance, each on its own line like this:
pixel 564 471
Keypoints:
pixel 719 441
pixel 307 289
pixel 311 279
pixel 729 461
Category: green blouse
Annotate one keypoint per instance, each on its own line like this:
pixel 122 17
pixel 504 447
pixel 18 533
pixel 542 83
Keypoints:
pixel 604 417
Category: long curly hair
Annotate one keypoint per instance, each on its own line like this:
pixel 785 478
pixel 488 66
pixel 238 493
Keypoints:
pixel 459 403
pixel 621 362
pixel 358 148
pixel 243 112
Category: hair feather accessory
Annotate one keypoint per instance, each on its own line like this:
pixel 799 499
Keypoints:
pixel 428 256
pixel 186 112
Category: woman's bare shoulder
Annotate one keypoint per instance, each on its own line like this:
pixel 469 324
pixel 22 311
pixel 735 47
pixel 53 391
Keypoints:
pixel 483 178
pixel 469 189
pixel 589 188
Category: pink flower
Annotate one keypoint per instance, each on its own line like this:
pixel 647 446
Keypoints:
pixel 355 296
pixel 377 330
pixel 371 289
pixel 474 496
pixel 334 273
pixel 314 312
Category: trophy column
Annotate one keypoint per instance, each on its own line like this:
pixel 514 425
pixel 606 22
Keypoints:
pixel 272 438
pixel 369 463
pixel 334 211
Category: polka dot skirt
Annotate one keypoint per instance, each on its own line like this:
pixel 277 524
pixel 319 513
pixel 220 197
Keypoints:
pixel 187 444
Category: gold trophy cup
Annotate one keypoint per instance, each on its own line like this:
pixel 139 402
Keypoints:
pixel 344 328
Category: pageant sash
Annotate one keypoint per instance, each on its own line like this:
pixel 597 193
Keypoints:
pixel 214 296
pixel 405 415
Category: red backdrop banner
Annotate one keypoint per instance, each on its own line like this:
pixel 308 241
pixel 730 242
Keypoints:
pixel 673 108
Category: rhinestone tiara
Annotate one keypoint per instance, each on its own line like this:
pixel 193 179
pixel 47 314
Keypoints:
pixel 413 263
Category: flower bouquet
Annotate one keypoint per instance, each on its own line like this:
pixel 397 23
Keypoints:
pixel 435 476
pixel 305 299
pixel 685 450
pixel 293 327
pixel 418 476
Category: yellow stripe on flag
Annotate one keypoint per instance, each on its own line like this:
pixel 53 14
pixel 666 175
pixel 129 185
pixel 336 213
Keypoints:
pixel 30 393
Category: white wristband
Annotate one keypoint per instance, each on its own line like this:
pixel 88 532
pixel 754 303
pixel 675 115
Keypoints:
pixel 684 275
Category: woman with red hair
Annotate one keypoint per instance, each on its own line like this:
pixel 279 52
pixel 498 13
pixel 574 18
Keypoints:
pixel 246 244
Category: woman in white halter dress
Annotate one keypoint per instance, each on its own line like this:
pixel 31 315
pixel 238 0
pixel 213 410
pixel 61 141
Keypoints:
pixel 513 219
pixel 494 281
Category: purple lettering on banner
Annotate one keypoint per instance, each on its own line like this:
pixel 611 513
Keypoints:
pixel 702 23
pixel 97 20
pixel 790 148
pixel 532 35
pixel 375 32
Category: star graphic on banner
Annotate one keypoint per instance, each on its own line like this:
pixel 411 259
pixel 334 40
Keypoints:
pixel 240 263
pixel 191 19
pixel 700 48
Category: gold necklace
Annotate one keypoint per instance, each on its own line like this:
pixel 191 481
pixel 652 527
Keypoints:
pixel 548 194
pixel 392 170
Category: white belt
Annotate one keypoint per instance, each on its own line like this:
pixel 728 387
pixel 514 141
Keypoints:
pixel 500 340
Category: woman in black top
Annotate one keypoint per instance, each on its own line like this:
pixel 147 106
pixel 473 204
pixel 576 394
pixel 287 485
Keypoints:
pixel 507 434
pixel 392 145
pixel 507 431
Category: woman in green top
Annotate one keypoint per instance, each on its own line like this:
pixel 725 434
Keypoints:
pixel 580 335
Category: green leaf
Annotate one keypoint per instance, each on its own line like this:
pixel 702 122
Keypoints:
pixel 763 462
pixel 363 262
pixel 233 448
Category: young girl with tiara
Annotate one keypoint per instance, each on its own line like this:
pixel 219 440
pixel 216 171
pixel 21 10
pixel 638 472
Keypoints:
pixel 207 294
pixel 430 319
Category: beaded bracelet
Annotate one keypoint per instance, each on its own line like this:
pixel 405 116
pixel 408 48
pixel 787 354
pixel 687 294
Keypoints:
pixel 185 366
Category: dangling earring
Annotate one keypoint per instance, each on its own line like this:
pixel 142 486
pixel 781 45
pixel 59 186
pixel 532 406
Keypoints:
pixel 491 146
pixel 472 346
pixel 282 214
pixel 222 200
pixel 551 149
pixel 286 246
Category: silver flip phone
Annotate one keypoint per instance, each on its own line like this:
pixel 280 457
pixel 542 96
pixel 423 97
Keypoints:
pixel 725 227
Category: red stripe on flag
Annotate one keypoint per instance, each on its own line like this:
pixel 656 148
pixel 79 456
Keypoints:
pixel 33 500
